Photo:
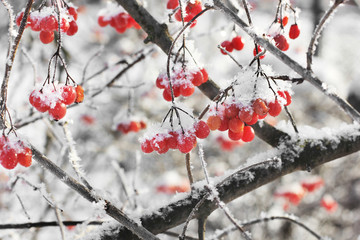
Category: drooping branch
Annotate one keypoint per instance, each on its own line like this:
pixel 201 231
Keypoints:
pixel 310 77
pixel 301 155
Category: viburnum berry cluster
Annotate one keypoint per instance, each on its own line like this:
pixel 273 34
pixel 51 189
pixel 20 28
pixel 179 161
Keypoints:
pixel 54 99
pixel 192 8
pixel 45 21
pixel 115 16
pixel 183 81
pixel 14 151
pixel 236 43
pixel 251 100
pixel 130 126
pixel 182 139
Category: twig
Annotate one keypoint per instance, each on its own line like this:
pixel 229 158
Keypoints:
pixel 22 206
pixel 32 62
pixel 188 169
pixel 110 209
pixel 61 225
pixel 317 31
pixel 266 219
pixel 96 54
pixel 10 61
pixel 46 224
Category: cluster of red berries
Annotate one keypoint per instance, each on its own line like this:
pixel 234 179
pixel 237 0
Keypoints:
pixel 130 126
pixel 183 82
pixel 191 10
pixel 227 145
pixel 236 43
pixel 185 140
pixel 45 21
pixel 55 100
pixel 237 119
pixel 117 18
pixel 13 152
pixel 280 40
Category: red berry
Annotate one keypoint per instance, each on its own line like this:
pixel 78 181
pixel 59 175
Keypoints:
pixel 202 130
pixel 294 31
pixel 160 82
pixel 24 157
pixel 237 43
pixel 281 42
pixel 65 25
pixel 68 94
pixel 224 124
pixel 228 47
pixel 19 17
pixel 46 37
pixel 134 126
pixel 102 22
pixel 49 23
pixel 235 136
pixel 285 21
pixel 205 75
pixel 288 98
pixel 79 94
pixel 213 122
pixel 186 142
pixel 58 111
pixel 35 24
pixel 187 89
pixel 73 12
pixel 274 108
pixel 248 134
pixel 193 8
pixel 197 79
pixel 121 20
pixel 8 158
pixel 254 119
pixel 259 50
pixel 329 203
pixel 167 94
pixel 231 110
pixel 72 29
pixel 236 125
pixel 123 127
pixel 260 107
pixel 172 4
pixel 146 146
pixel 158 143
pixel 171 140
pixel 38 100
pixel 178 15
pixel 142 125
pixel 245 115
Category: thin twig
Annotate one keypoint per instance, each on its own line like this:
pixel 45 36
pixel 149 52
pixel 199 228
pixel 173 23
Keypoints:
pixel 46 224
pixel 96 54
pixel 188 169
pixel 317 31
pixel 61 225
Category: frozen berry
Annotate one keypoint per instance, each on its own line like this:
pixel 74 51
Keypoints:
pixel 294 31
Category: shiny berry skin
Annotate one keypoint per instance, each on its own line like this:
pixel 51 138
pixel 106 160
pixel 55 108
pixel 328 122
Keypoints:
pixel 46 37
pixel 36 101
pixel 202 130
pixel 158 143
pixel 160 82
pixel 186 143
pixel 231 111
pixel 285 21
pixel 248 134
pixel 281 42
pixel 274 108
pixel 187 89
pixel 68 94
pixel 224 124
pixel 236 125
pixel 235 136
pixel 49 23
pixel 167 95
pixel 285 95
pixel 146 146
pixel 72 29
pixel 134 126
pixel 8 158
pixel 260 107
pixel 197 79
pixel 171 140
pixel 237 43
pixel 294 31
pixel 58 111
pixel 245 116
pixel 102 22
pixel 254 119
pixel 65 25
pixel 213 122
pixel 228 47
pixel 25 157
pixel 79 94
pixel 205 75
pixel 19 17
pixel 259 51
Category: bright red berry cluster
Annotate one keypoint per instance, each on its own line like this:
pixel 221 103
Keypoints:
pixel 45 21
pixel 13 152
pixel 184 140
pixel 130 126
pixel 191 10
pixel 55 100
pixel 237 118
pixel 236 43
pixel 116 17
pixel 183 82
